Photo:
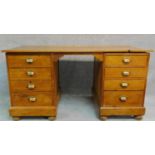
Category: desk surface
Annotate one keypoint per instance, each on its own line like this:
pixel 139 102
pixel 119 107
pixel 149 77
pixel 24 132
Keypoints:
pixel 72 49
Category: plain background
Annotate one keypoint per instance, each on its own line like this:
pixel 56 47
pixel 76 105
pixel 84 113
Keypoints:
pixel 69 17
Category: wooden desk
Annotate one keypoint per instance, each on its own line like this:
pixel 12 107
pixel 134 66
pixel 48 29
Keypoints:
pixel 120 74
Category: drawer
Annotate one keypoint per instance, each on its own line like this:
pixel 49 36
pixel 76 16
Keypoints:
pixel 124 84
pixel 125 72
pixel 29 60
pixel 34 85
pixel 32 99
pixel 30 73
pixel 126 60
pixel 123 98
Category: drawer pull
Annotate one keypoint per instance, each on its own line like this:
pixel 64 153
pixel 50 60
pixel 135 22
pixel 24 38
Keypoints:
pixel 125 73
pixel 123 98
pixel 124 85
pixel 30 86
pixel 30 73
pixel 32 99
pixel 29 60
pixel 126 60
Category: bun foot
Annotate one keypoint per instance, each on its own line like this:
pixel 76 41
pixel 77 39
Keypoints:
pixel 103 118
pixel 51 118
pixel 138 117
pixel 16 118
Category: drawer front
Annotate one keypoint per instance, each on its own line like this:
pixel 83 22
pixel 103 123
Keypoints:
pixel 30 74
pixel 34 85
pixel 125 72
pixel 29 60
pixel 126 61
pixel 123 98
pixel 124 84
pixel 32 99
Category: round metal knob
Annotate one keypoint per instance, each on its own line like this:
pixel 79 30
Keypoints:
pixel 123 98
pixel 125 73
pixel 32 99
pixel 124 85
pixel 126 60
pixel 30 73
pixel 29 60
pixel 30 86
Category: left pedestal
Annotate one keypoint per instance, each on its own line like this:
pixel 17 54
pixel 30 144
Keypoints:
pixel 33 83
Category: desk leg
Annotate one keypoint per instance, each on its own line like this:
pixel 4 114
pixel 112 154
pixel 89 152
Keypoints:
pixel 51 118
pixel 16 118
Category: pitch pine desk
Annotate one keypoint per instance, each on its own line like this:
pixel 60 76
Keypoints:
pixel 119 79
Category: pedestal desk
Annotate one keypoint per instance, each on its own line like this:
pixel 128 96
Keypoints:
pixel 120 75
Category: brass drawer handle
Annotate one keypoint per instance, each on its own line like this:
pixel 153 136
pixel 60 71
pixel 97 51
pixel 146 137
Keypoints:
pixel 125 73
pixel 124 85
pixel 126 60
pixel 29 60
pixel 30 73
pixel 30 86
pixel 123 98
pixel 32 99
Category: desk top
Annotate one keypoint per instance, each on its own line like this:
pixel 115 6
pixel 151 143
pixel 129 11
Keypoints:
pixel 74 49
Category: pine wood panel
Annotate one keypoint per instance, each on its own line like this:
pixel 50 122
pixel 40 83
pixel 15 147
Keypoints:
pixel 122 111
pixel 74 49
pixel 117 84
pixel 23 99
pixel 119 60
pixel 21 73
pixel 40 60
pixel 112 98
pixel 33 111
pixel 56 87
pixel 23 85
pixel 118 72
